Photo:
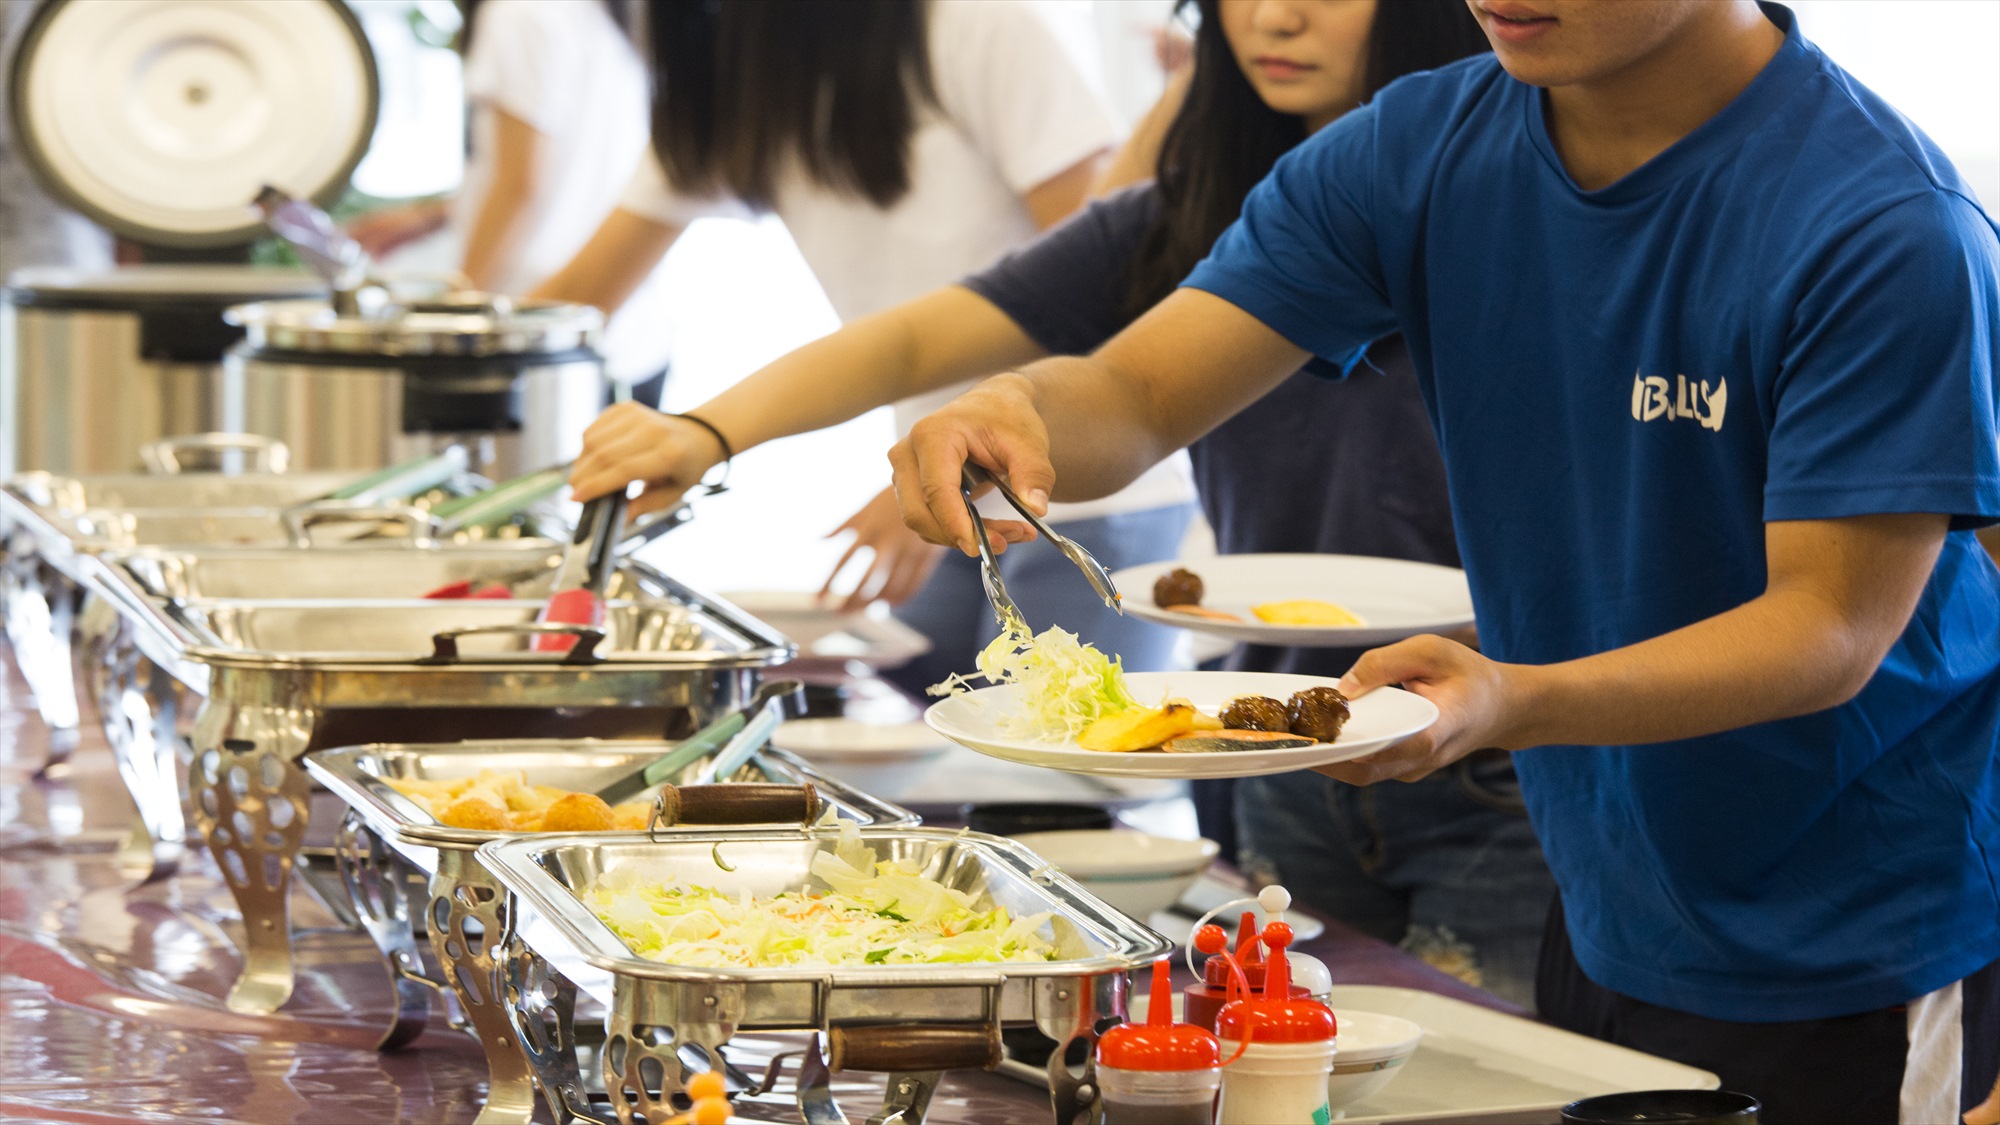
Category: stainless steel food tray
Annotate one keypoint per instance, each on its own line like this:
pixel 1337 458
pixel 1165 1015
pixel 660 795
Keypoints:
pixel 283 676
pixel 360 776
pixel 50 525
pixel 391 572
pixel 467 913
pixel 428 636
pixel 115 491
pixel 934 1015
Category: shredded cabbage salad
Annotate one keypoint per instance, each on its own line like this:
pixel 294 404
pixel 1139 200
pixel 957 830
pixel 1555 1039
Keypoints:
pixel 1066 685
pixel 890 915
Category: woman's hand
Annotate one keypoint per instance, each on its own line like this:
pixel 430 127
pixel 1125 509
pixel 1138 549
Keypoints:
pixel 996 424
pixel 383 232
pixel 902 561
pixel 1476 700
pixel 631 442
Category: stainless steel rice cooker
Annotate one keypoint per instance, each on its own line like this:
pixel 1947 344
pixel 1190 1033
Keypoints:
pixel 515 382
pixel 161 121
pixel 96 364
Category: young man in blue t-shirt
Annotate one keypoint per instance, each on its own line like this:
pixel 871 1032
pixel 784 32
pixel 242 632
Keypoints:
pixel 1707 332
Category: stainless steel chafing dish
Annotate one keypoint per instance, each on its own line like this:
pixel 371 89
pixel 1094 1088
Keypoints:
pixel 911 1020
pixel 284 676
pixel 51 523
pixel 467 913
pixel 142 706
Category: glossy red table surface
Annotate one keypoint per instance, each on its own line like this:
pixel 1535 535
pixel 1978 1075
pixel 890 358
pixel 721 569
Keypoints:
pixel 111 997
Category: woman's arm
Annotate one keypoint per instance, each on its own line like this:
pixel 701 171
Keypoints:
pixel 613 264
pixel 944 337
pixel 1054 199
pixel 495 231
pixel 1139 158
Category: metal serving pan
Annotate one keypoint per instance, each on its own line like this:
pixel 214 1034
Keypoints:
pixel 460 889
pixel 50 525
pixel 173 490
pixel 357 633
pixel 280 677
pixel 913 1020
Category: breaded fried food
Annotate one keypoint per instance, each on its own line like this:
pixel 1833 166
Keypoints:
pixel 476 813
pixel 579 812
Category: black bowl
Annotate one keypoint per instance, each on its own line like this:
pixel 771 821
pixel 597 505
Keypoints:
pixel 1017 817
pixel 1664 1107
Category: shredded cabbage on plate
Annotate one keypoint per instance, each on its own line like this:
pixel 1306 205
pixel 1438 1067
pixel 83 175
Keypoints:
pixel 1066 685
pixel 890 915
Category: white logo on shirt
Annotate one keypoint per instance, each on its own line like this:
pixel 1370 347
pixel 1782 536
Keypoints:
pixel 1652 398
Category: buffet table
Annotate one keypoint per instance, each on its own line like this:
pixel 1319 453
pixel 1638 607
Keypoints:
pixel 111 1007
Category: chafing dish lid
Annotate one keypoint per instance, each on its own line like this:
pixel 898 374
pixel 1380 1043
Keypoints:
pixel 210 288
pixel 458 324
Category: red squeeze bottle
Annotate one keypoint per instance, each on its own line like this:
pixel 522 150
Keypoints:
pixel 1205 1000
pixel 1159 1072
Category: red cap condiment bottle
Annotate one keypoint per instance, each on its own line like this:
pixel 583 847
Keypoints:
pixel 1286 1045
pixel 1158 1072
pixel 1205 1000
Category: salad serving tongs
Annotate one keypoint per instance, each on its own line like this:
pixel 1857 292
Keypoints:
pixel 730 739
pixel 971 478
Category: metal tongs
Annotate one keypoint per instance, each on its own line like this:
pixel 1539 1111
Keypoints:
pixel 971 478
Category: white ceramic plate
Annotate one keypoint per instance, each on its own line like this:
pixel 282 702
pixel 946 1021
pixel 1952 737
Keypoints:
pixel 886 759
pixel 822 632
pixel 1382 717
pixel 1396 598
pixel 844 740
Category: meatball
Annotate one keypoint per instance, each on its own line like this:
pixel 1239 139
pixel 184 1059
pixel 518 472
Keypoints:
pixel 1178 586
pixel 1257 712
pixel 1318 713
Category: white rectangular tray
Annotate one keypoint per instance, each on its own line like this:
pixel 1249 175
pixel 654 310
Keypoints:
pixel 1479 1065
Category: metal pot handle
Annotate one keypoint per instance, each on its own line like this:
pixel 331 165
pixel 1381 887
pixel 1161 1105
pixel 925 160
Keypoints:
pixel 300 521
pixel 914 1047
pixel 745 802
pixel 444 646
pixel 265 454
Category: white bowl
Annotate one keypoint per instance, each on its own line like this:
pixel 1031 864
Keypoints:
pixel 1372 1049
pixel 1135 872
pixel 883 759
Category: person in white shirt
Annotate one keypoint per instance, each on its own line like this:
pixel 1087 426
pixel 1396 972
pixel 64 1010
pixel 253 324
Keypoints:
pixel 558 114
pixel 904 143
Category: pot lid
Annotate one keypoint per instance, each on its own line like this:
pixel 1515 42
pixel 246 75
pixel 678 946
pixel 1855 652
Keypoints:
pixel 161 119
pixel 460 324
pixel 156 286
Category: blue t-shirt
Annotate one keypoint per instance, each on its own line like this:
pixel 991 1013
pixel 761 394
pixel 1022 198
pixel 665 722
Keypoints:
pixel 1788 315
pixel 1364 443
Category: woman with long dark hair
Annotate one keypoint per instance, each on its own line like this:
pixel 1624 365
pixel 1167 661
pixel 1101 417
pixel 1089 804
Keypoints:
pixel 1448 865
pixel 556 102
pixel 903 143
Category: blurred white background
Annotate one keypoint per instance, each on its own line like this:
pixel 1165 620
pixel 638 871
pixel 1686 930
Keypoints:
pixel 740 295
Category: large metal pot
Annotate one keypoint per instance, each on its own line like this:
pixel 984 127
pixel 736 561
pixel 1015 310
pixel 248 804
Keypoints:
pixel 515 383
pixel 96 364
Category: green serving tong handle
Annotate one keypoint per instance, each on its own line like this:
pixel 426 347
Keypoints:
pixel 698 745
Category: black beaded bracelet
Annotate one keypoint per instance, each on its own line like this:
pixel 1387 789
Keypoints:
pixel 728 454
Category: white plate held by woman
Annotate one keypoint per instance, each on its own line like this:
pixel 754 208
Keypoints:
pixel 1381 718
pixel 1394 597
